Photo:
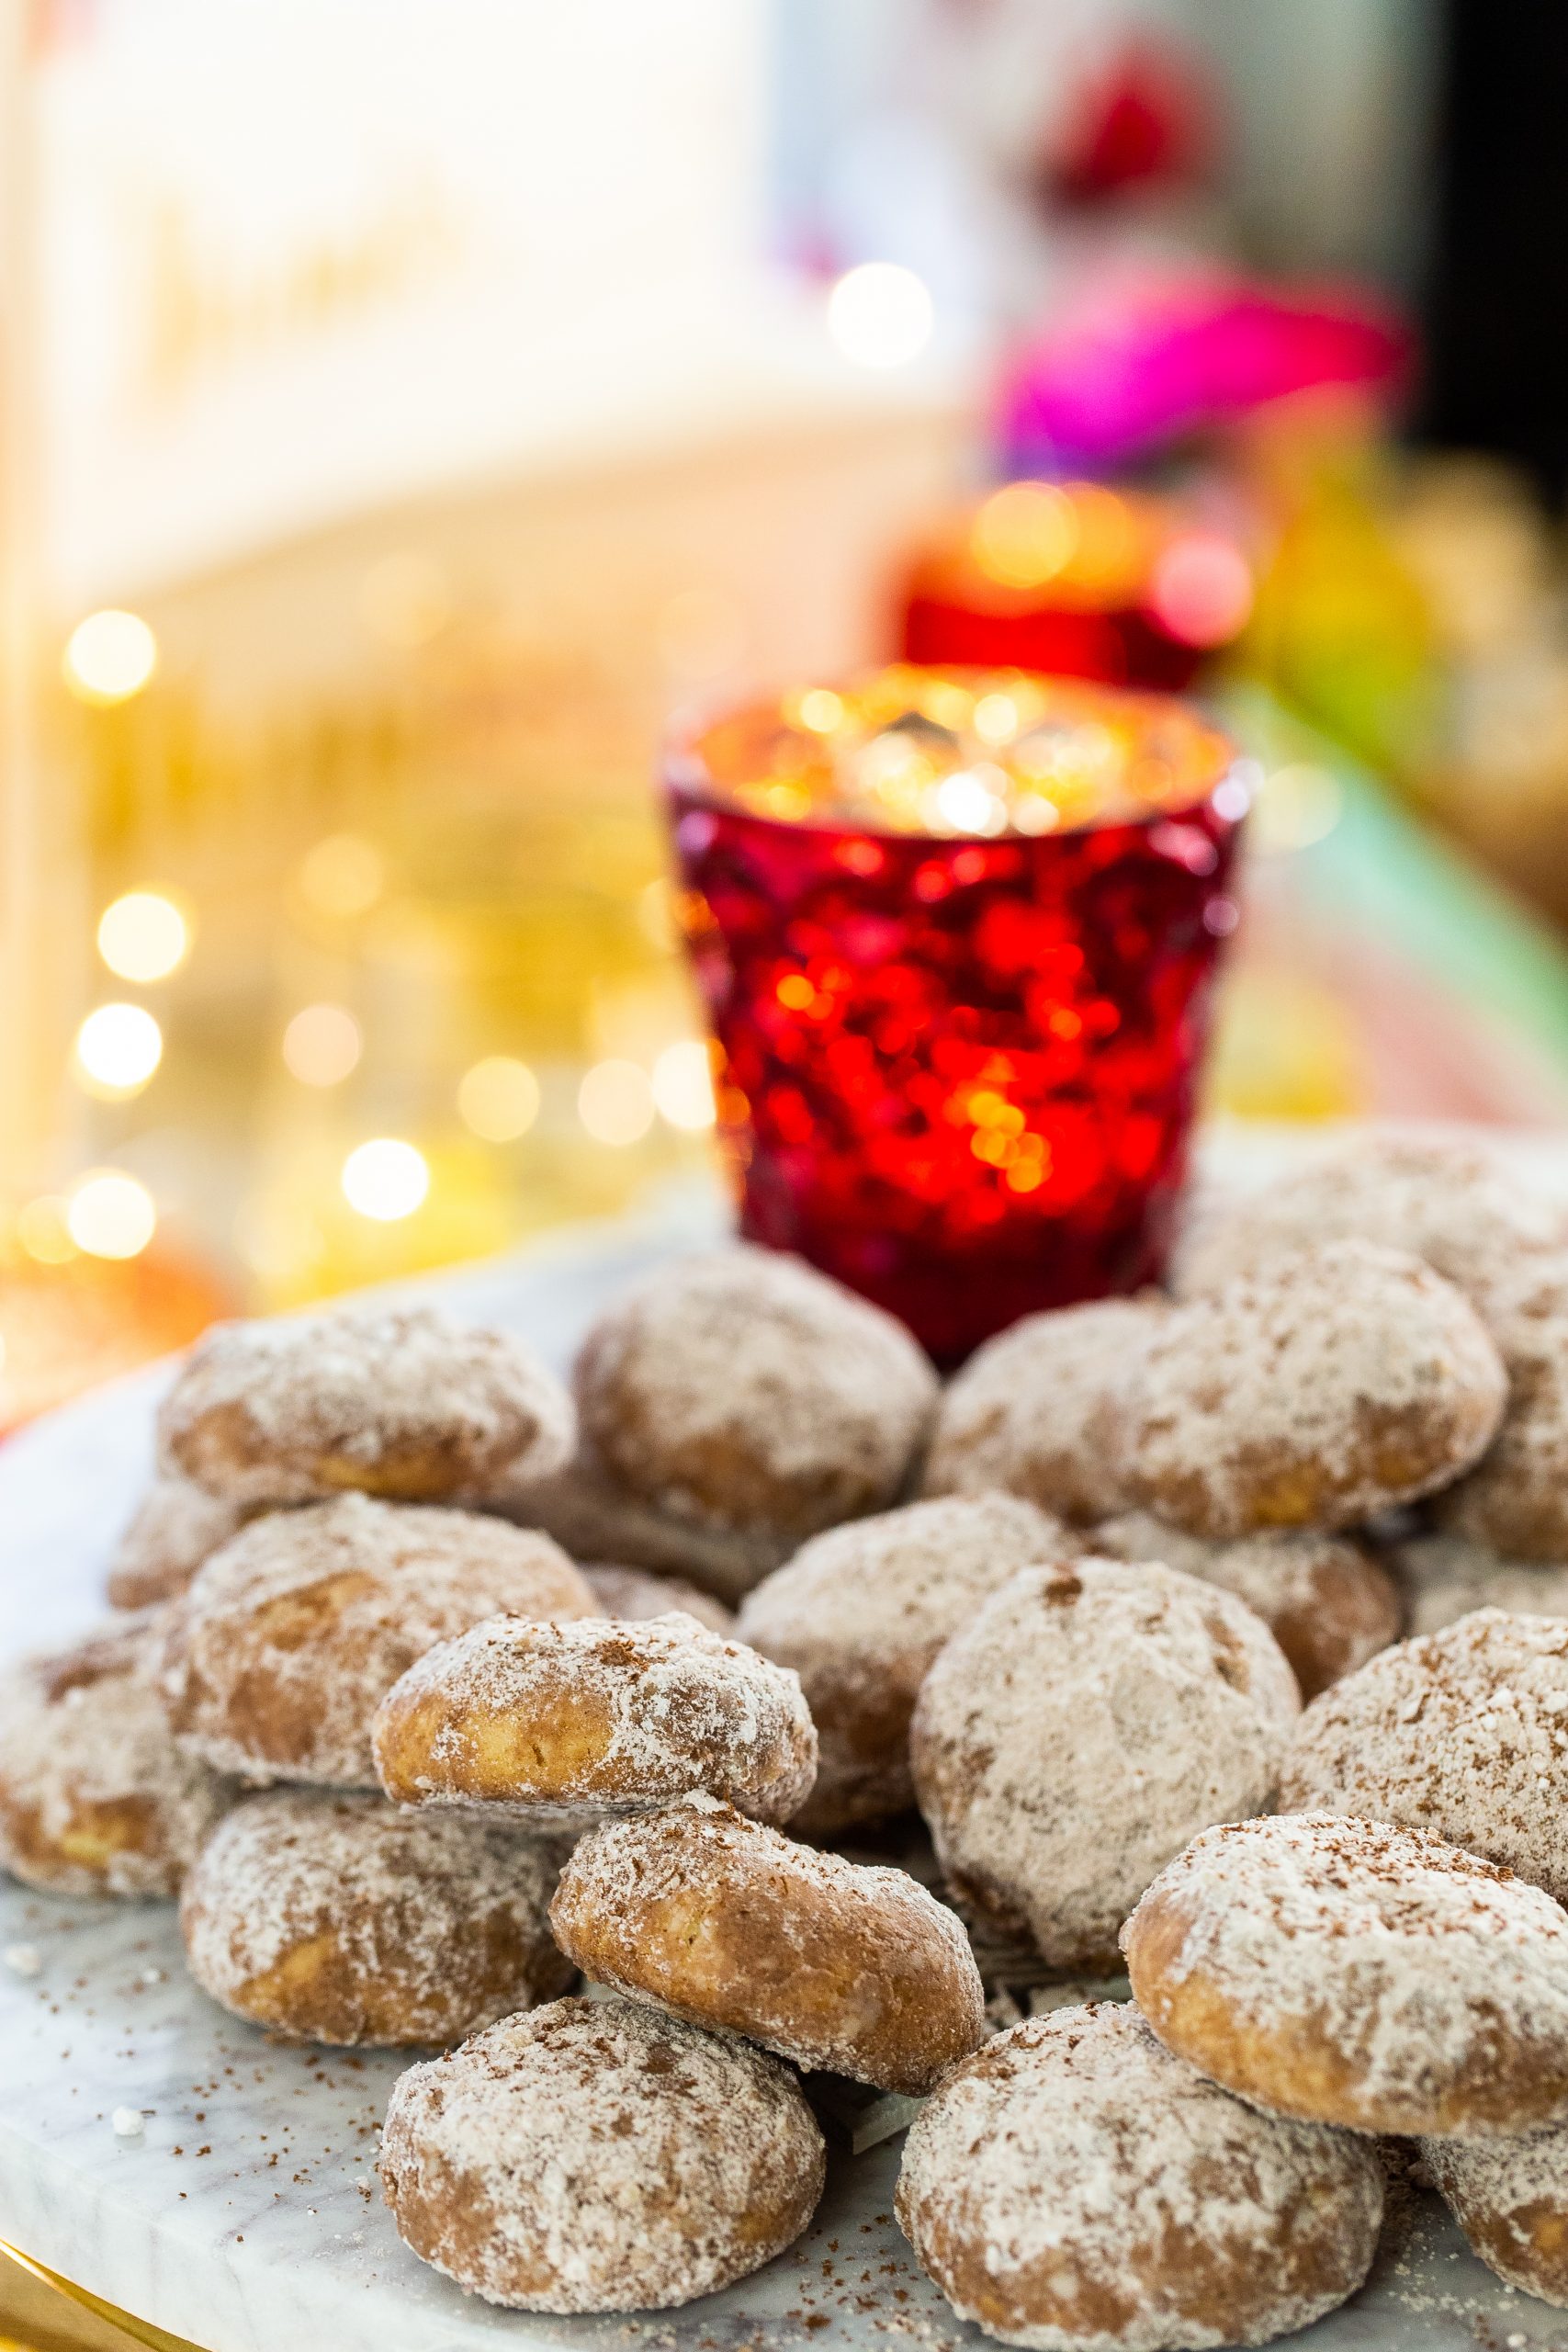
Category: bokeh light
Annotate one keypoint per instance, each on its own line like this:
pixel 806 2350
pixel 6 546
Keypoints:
pixel 344 875
pixel 109 657
pixel 1025 534
pixel 820 710
pixel 498 1098
pixel 42 1231
pixel 119 1046
pixel 385 1178
pixel 615 1102
pixel 322 1045
pixel 683 1085
pixel 110 1214
pixel 1299 804
pixel 1200 589
pixel 144 936
pixel 880 314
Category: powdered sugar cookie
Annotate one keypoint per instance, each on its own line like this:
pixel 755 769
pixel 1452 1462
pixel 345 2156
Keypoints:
pixel 1175 2216
pixel 560 1725
pixel 1079 1731
pixel 337 1918
pixel 1463 1733
pixel 1510 2198
pixel 743 1391
pixel 594 1519
pixel 1038 1410
pixel 1449 1204
pixel 1516 1500
pixel 728 1924
pixel 390 1401
pixel 175 1527
pixel 94 1797
pixel 860 1611
pixel 290 1636
pixel 1349 1971
pixel 596 2156
pixel 1316 1392
pixel 633 1594
pixel 1328 1602
pixel 1445 1577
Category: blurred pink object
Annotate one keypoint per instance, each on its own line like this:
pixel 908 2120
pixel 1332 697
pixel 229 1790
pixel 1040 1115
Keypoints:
pixel 1159 359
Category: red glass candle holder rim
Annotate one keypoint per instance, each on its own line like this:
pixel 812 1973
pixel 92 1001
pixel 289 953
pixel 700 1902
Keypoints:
pixel 685 771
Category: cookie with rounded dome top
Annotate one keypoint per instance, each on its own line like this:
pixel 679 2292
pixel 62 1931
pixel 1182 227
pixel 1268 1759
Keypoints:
pixel 1449 1204
pixel 597 2156
pixel 743 1391
pixel 1463 1733
pixel 1076 1733
pixel 633 1594
pixel 860 1614
pixel 1316 1392
pixel 332 1916
pixel 1516 1498
pixel 1328 1603
pixel 288 1638
pixel 729 1924
pixel 562 1724
pixel 1446 1576
pixel 398 1402
pixel 1039 1409
pixel 1355 1973
pixel 1175 2217
pixel 1510 2198
pixel 95 1796
pixel 175 1526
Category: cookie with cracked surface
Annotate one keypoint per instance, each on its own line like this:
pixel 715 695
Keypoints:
pixel 729 1924
pixel 1328 1603
pixel 1353 1972
pixel 1463 1733
pixel 1316 1392
pixel 95 1796
pixel 338 1918
pixel 1510 2198
pixel 288 1637
pixel 743 1391
pixel 1071 1740
pixel 597 2156
pixel 860 1614
pixel 1039 1410
pixel 1175 2216
pixel 1451 1204
pixel 399 1402
pixel 562 1725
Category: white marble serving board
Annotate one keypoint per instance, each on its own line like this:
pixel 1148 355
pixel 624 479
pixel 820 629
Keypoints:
pixel 247 2215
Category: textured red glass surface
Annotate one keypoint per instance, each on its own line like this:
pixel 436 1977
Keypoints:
pixel 958 1075
pixel 1123 647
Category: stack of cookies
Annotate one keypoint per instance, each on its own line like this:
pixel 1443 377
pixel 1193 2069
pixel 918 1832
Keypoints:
pixel 428 1695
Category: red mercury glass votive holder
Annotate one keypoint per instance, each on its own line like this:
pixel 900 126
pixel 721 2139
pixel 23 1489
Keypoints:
pixel 956 934
pixel 1078 580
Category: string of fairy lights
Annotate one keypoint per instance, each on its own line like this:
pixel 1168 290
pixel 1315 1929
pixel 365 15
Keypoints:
pixel 144 938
